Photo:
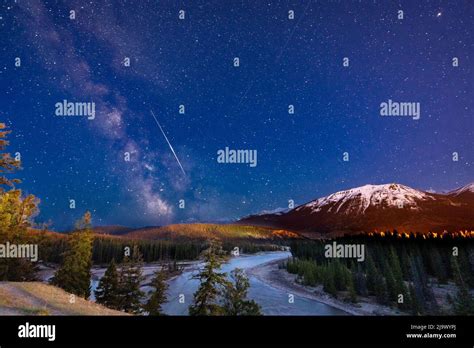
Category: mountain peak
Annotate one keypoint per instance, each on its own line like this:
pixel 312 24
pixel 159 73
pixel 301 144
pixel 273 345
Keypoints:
pixel 465 188
pixel 359 199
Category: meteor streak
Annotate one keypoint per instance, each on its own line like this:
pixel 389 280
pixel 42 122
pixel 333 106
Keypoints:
pixel 169 144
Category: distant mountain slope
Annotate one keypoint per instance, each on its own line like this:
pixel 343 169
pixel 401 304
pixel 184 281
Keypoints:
pixel 377 207
pixel 112 229
pixel 206 231
pixel 465 193
pixel 34 298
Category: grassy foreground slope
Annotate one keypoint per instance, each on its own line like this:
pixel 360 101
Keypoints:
pixel 34 298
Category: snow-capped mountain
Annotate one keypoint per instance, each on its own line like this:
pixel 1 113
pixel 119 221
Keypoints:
pixel 359 199
pixel 468 189
pixel 377 208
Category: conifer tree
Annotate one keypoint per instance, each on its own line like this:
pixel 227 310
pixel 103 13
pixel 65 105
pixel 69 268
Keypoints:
pixel 235 296
pixel 352 290
pixel 8 164
pixel 381 291
pixel 329 284
pixel 107 292
pixel 394 264
pixel 438 266
pixel 416 307
pixel 371 275
pixel 158 297
pixel 130 281
pixel 463 302
pixel 405 264
pixel 212 283
pixel 360 282
pixel 74 274
pixel 392 290
pixel 418 294
pixel 16 214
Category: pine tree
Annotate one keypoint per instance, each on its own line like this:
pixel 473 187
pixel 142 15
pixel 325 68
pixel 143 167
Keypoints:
pixel 418 294
pixel 212 282
pixel 463 302
pixel 360 282
pixel 394 264
pixel 381 291
pixel 392 289
pixel 158 297
pixel 340 275
pixel 405 265
pixel 16 213
pixel 107 292
pixel 130 281
pixel 371 275
pixel 416 307
pixel 437 265
pixel 399 285
pixel 329 284
pixel 352 290
pixel 7 163
pixel 74 273
pixel 235 296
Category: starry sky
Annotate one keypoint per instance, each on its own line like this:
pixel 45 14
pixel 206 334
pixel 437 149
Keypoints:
pixel 190 62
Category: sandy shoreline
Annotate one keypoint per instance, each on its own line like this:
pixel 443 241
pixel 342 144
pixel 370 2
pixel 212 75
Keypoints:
pixel 270 274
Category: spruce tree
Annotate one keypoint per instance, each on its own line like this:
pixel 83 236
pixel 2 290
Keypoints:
pixel 416 307
pixel 329 284
pixel 74 274
pixel 405 264
pixel 158 297
pixel 352 290
pixel 8 164
pixel 130 281
pixel 360 282
pixel 417 293
pixel 212 283
pixel 392 289
pixel 437 265
pixel 371 275
pixel 16 214
pixel 399 285
pixel 107 292
pixel 235 296
pixel 463 302
pixel 381 291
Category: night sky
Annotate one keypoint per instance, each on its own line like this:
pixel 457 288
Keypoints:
pixel 190 62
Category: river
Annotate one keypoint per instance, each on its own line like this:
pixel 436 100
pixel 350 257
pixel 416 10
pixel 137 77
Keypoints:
pixel 272 300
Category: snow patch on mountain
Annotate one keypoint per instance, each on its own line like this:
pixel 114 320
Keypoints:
pixel 467 188
pixel 358 199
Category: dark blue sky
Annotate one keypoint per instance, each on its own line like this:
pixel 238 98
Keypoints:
pixel 190 62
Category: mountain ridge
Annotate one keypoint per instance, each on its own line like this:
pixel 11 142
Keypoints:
pixel 370 208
